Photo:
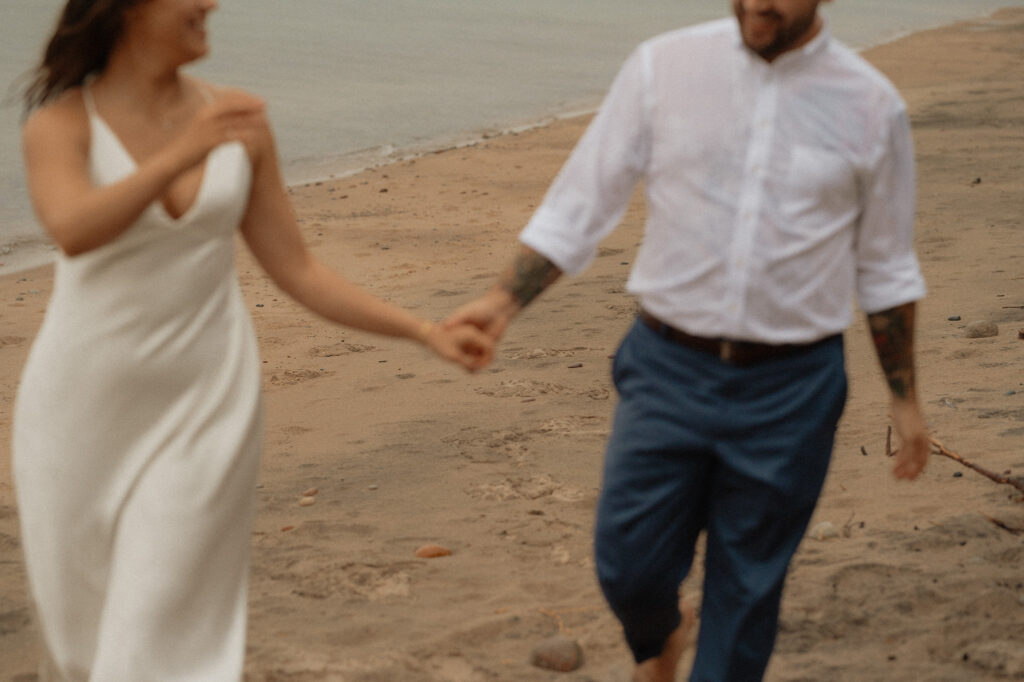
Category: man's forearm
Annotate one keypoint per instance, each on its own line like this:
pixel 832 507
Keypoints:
pixel 530 274
pixel 893 334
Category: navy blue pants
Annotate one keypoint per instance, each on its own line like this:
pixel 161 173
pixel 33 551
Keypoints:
pixel 741 452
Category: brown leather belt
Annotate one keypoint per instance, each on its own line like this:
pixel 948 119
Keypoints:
pixel 732 352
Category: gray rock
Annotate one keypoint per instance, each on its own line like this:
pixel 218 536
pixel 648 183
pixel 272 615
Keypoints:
pixel 982 329
pixel 557 653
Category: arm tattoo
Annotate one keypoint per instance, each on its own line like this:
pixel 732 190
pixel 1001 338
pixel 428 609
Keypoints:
pixel 893 333
pixel 530 274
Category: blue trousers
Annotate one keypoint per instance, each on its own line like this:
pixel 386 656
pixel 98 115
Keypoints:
pixel 741 452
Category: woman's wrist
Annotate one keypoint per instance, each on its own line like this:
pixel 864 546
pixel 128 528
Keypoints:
pixel 423 331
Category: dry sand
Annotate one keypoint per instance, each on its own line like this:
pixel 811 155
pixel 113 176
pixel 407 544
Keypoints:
pixel 921 582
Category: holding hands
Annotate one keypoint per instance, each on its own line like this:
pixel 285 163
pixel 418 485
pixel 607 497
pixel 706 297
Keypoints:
pixel 490 313
pixel 529 274
pixel 463 344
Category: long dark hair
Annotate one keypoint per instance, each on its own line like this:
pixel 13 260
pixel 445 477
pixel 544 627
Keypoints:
pixel 80 45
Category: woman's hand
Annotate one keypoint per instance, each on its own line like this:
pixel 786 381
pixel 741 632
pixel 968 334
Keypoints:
pixel 232 117
pixel 463 344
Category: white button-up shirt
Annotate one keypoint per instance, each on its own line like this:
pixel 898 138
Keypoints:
pixel 774 190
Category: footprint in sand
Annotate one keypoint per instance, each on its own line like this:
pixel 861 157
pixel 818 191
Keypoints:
pixel 523 388
pixel 583 425
pixel 11 341
pixel 341 348
pixel 295 376
pixel 538 353
pixel 370 582
pixel 526 488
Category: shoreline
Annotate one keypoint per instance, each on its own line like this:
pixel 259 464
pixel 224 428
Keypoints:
pixel 27 250
pixel 917 580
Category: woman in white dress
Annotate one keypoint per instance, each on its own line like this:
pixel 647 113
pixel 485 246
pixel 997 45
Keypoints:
pixel 137 422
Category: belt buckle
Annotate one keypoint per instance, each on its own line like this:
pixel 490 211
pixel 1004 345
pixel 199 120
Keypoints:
pixel 725 349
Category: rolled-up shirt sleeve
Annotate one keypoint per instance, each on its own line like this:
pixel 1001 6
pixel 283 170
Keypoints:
pixel 588 198
pixel 888 272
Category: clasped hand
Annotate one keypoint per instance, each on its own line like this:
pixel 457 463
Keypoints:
pixel 463 344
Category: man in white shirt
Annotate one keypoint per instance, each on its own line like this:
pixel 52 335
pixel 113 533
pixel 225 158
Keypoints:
pixel 779 177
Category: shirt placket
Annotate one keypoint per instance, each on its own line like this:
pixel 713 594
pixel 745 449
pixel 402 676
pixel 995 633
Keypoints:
pixel 750 206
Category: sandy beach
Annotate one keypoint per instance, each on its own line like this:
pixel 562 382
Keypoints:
pixel 910 582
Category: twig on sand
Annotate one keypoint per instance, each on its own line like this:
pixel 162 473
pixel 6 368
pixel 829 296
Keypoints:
pixel 1010 529
pixel 888 443
pixel 940 449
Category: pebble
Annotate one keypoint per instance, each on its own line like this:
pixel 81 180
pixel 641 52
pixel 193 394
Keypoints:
pixel 557 653
pixel 982 329
pixel 824 531
pixel 311 492
pixel 372 486
pixel 957 474
pixel 576 365
pixel 953 318
pixel 432 551
pixel 306 501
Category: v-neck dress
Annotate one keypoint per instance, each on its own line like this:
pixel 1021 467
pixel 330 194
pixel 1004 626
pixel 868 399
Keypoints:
pixel 136 441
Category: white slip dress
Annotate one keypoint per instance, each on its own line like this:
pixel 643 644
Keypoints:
pixel 136 441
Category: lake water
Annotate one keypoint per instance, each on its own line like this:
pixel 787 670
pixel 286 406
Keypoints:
pixel 353 83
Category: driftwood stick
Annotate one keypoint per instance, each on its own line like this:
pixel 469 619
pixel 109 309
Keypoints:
pixel 888 443
pixel 1005 526
pixel 940 449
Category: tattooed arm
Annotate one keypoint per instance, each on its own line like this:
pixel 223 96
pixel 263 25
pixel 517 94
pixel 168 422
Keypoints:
pixel 893 334
pixel 529 274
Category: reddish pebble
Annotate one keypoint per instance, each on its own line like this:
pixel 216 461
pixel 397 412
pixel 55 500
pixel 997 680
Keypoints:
pixel 311 492
pixel 287 528
pixel 432 551
pixel 306 501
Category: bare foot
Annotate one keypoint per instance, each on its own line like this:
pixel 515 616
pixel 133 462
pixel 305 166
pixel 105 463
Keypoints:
pixel 662 668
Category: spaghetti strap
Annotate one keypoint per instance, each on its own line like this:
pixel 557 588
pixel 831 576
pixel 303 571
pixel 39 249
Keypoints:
pixel 90 104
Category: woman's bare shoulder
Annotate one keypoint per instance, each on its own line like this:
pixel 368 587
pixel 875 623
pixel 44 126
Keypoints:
pixel 64 116
pixel 218 91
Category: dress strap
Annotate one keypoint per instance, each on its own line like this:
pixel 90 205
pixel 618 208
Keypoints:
pixel 90 104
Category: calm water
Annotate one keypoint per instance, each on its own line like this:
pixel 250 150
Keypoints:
pixel 350 82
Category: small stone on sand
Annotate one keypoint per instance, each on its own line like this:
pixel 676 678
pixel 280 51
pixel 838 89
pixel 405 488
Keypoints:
pixel 432 551
pixel 557 653
pixel 824 531
pixel 981 330
pixel 307 501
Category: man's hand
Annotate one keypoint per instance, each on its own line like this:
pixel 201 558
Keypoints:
pixel 893 334
pixel 915 444
pixel 529 274
pixel 490 313
pixel 463 344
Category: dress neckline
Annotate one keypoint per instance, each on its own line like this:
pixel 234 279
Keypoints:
pixel 186 215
